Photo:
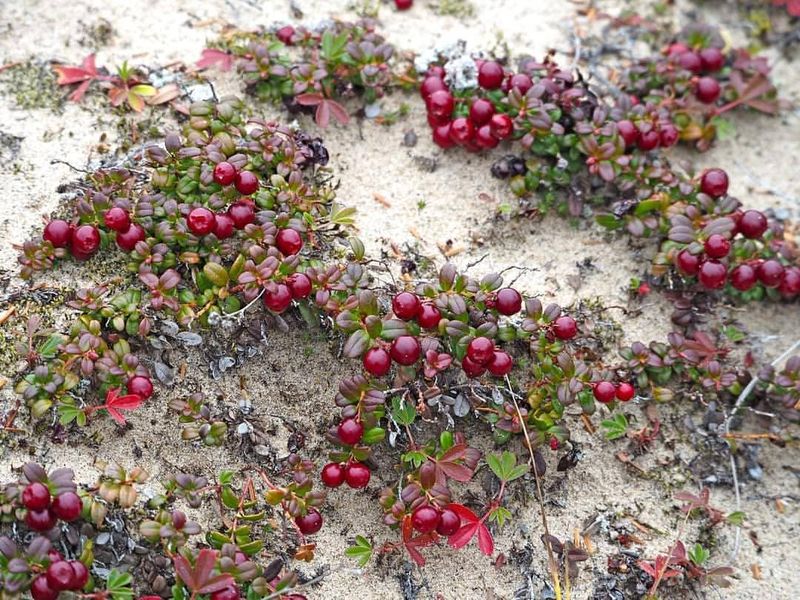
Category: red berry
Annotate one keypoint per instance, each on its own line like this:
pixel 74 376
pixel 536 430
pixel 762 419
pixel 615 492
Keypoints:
pixel 425 519
pixel 484 138
pixel 471 368
pixel 405 305
pixel 435 71
pixel 117 218
pixel 229 593
pixel 743 277
pixel 490 75
pixel 714 182
pixel 752 224
pixel 565 328
pixel 428 316
pixel 717 246
pixel 309 523
pixel 449 522
pixel 435 121
pixel 481 111
pixel 711 59
pixel 676 49
pixel 377 362
pixel 441 136
pixel 790 282
pixel 127 240
pixel 285 34
pixel 669 135
pixel 770 273
pixel 40 520
pixel 461 130
pixel 80 574
pixel 690 61
pixel 687 263
pixel 350 431
pixel 58 232
pixel 141 386
pixel 278 300
pixel 625 392
pixel 712 274
pixel 522 82
pixel 707 90
pixel 508 301
pixel 299 285
pixel 604 391
pixel 357 475
pixel 431 84
pixel 628 132
pixel 246 182
pixel 441 104
pixel 85 241
pixel 500 363
pixel 501 126
pixel 332 475
pixel 223 226
pixel 41 590
pixel 288 242
pixel 201 221
pixel 403 4
pixel 67 506
pixel 242 213
pixel 648 140
pixel 480 350
pixel 59 575
pixel 36 496
pixel 224 173
pixel 405 350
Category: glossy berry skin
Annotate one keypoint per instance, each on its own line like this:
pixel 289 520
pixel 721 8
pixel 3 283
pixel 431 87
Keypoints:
pixel 712 274
pixel 625 392
pixel 405 305
pixel 508 301
pixel 480 350
pixel 790 282
pixel 288 242
pixel 714 182
pixel 648 140
pixel 431 84
pixel 357 475
pixel 522 82
pixel 41 590
pixel 668 136
pixel 278 300
pixel 127 240
pixel 403 4
pixel 428 316
pixel 405 350
pixel 690 61
pixel 117 218
pixel 770 273
pixel 284 34
pixel 441 136
pixel 604 392
pixel 425 519
pixel 752 224
pixel 350 431
pixel 500 364
pixel 223 226
pixel 711 59
pixel 449 522
pixel 490 75
pixel 472 369
pixel 628 132
pixel 40 520
pixel 707 90
pixel 58 232
pixel 80 574
pixel 717 246
pixel 484 138
pixel 461 130
pixel 377 362
pixel 59 575
pixel 85 241
pixel 501 126
pixel 565 328
pixel 36 496
pixel 224 173
pixel 687 263
pixel 246 182
pixel 743 277
pixel 67 506
pixel 441 104
pixel 332 475
pixel 229 593
pixel 201 221
pixel 299 285
pixel 242 213
pixel 481 111
pixel 141 386
pixel 309 523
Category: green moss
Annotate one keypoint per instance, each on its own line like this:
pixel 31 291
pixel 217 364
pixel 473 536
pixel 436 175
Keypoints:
pixel 32 84
pixel 455 8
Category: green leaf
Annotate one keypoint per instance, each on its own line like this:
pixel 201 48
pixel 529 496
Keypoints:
pixel 361 550
pixel 229 498
pixel 699 555
pixel 616 427
pixel 225 477
pixel 119 585
pixel 609 221
pixel 736 518
pixel 733 334
pixel 402 412
pixel 647 206
pixel 333 46
pixel 725 128
pixel 342 215
pixel 373 436
pixel 505 466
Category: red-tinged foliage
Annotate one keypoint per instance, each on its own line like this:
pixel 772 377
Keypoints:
pixel 474 525
pixel 325 108
pixel 114 404
pixel 84 74
pixel 213 58
pixel 412 544
pixel 201 578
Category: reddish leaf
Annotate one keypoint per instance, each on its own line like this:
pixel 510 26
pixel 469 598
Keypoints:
pixel 485 541
pixel 218 583
pixel 415 555
pixel 127 402
pixel 338 111
pixel 212 57
pixel 184 570
pixel 204 565
pixel 70 75
pixel 462 537
pixel 308 99
pixel 323 114
pixel 456 452
pixel 456 471
pixel 463 512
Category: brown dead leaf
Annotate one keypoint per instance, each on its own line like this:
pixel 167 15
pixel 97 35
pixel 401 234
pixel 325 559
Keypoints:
pixel 755 569
pixel 380 199
pixel 165 94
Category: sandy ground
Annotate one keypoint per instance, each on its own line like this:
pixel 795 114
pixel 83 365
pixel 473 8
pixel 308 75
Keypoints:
pixel 460 199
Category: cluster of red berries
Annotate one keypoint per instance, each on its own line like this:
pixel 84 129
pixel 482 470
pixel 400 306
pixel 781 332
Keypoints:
pixel 60 576
pixel 82 241
pixel 403 4
pixel 606 391
pixel 356 474
pixel 473 124
pixel 427 518
pixel 648 134
pixel 699 62
pixel 43 510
